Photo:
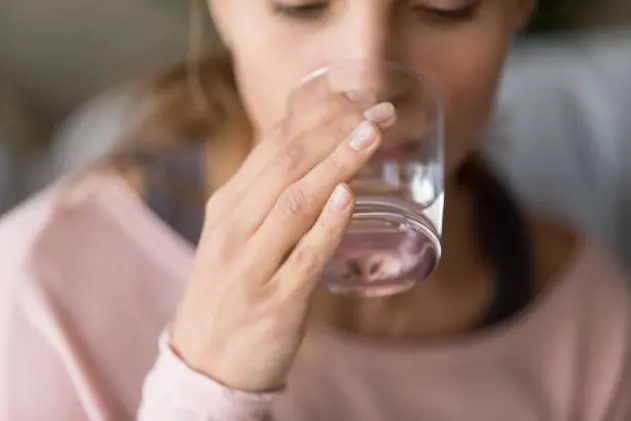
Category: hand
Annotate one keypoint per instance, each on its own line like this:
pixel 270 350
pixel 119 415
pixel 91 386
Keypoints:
pixel 268 234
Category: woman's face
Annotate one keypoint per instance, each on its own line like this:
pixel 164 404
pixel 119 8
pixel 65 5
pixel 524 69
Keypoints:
pixel 458 44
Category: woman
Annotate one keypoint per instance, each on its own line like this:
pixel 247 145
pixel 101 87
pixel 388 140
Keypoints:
pixel 522 320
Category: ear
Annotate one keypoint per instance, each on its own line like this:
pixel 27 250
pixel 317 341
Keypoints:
pixel 523 12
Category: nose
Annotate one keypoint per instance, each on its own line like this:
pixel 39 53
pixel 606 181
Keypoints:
pixel 368 35
pixel 368 32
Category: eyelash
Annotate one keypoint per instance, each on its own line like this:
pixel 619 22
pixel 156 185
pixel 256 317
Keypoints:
pixel 463 14
pixel 307 11
pixel 313 11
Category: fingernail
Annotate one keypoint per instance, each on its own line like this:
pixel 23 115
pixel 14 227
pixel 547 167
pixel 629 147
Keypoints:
pixel 363 136
pixel 380 113
pixel 340 199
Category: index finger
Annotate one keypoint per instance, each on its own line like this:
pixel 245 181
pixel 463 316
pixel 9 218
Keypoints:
pixel 313 104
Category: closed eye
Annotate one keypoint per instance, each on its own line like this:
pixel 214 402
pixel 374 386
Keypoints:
pixel 305 11
pixel 316 9
pixel 464 13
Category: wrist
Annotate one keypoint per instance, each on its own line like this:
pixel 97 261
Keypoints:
pixel 233 375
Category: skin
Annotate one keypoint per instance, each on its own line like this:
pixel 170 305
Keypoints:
pixel 282 198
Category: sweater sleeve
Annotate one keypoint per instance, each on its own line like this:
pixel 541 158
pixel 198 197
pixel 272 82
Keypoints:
pixel 174 392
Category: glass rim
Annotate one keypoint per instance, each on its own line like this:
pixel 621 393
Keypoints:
pixel 391 65
pixel 424 81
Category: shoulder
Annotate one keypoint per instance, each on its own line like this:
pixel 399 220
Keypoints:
pixel 588 319
pixel 75 237
pixel 38 228
pixel 87 261
pixel 560 250
pixel 603 324
pixel 591 276
pixel 84 279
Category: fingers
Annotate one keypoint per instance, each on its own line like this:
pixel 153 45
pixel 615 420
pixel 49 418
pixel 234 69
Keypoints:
pixel 309 107
pixel 300 204
pixel 302 269
pixel 299 157
pixel 303 117
pixel 315 104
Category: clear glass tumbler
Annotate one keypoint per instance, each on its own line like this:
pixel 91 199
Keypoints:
pixel 393 241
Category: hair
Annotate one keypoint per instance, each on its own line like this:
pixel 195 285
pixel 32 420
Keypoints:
pixel 189 104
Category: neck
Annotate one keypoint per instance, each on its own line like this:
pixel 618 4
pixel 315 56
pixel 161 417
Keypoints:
pixel 460 242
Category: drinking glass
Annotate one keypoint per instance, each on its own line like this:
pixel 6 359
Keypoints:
pixel 393 240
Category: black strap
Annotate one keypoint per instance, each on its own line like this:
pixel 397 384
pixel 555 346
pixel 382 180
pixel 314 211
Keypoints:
pixel 505 241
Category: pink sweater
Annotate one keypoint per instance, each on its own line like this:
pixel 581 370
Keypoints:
pixel 90 278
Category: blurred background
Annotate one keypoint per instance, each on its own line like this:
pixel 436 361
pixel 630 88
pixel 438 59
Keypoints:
pixel 561 135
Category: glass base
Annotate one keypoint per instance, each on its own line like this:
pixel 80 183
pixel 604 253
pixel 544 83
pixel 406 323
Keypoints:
pixel 388 248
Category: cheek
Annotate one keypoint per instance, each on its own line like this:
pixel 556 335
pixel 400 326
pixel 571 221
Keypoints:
pixel 266 75
pixel 264 90
pixel 467 77
pixel 262 78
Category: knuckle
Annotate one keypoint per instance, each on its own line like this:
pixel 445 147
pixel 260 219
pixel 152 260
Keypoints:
pixel 307 259
pixel 210 212
pixel 293 202
pixel 221 246
pixel 215 210
pixel 218 197
pixel 338 162
pixel 288 158
pixel 346 126
pixel 216 244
